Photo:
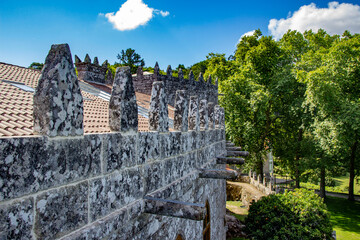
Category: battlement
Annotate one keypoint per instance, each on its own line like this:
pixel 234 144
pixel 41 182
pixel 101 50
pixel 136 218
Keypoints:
pixel 62 184
pixel 203 89
pixel 92 72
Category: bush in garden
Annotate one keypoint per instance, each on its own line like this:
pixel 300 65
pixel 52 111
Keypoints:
pixel 293 215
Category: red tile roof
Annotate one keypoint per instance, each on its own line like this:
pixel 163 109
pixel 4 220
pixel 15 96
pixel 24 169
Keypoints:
pixel 16 105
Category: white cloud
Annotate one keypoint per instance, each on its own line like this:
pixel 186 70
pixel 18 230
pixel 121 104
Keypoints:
pixel 132 14
pixel 334 19
pixel 250 33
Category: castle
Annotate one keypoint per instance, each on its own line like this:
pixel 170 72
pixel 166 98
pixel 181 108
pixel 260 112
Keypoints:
pixel 71 176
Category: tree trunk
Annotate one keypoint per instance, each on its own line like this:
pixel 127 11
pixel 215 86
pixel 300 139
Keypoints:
pixel 297 160
pixel 322 183
pixel 352 172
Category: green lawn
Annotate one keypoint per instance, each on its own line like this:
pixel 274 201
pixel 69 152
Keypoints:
pixel 341 185
pixel 345 217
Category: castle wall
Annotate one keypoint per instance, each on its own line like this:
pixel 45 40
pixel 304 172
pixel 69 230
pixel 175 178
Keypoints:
pixel 95 186
pixel 204 90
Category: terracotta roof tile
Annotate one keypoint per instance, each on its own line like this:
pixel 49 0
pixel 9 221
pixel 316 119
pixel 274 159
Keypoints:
pixel 16 105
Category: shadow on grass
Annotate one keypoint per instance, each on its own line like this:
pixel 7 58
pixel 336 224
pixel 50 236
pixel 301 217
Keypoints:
pixel 345 215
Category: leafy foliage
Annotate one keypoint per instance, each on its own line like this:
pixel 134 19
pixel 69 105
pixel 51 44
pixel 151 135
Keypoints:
pixel 130 58
pixel 294 215
pixel 36 65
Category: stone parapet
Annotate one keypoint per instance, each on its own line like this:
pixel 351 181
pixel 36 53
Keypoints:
pixel 95 186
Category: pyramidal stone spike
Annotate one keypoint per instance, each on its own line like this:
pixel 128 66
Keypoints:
pixel 216 81
pixel 194 113
pixel 105 64
pixel 217 116
pixel 203 114
pixel 201 78
pixel 209 81
pixel 123 111
pixel 211 115
pixel 87 59
pixel 156 69
pixel 58 103
pixel 96 61
pixel 191 76
pixel 158 112
pixel 222 118
pixel 77 59
pixel 181 75
pixel 181 111
pixel 109 77
pixel 139 71
pixel 169 71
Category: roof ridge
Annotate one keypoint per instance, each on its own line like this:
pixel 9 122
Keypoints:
pixel 9 64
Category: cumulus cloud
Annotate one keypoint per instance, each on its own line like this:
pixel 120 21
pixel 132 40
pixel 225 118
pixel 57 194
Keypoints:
pixel 250 33
pixel 132 14
pixel 334 19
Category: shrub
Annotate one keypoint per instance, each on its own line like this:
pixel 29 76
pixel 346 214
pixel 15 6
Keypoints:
pixel 293 215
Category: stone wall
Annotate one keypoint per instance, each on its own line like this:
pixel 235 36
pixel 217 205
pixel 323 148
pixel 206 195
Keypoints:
pixel 91 72
pixel 266 187
pixel 204 90
pixel 66 185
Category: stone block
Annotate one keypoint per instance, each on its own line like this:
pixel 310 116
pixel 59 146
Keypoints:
pixel 16 219
pixel 119 151
pixel 61 211
pixel 155 176
pixel 148 147
pixel 32 164
pixel 110 193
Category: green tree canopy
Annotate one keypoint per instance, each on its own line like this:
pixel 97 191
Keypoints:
pixel 130 58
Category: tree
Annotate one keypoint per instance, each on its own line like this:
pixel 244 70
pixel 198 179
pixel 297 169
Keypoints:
pixel 333 90
pixel 218 66
pixel 36 65
pixel 250 102
pixel 130 58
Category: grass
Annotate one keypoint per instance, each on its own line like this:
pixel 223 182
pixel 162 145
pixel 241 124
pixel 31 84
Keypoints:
pixel 345 217
pixel 237 209
pixel 341 185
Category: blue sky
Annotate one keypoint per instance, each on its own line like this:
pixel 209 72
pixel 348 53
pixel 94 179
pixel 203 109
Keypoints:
pixel 170 32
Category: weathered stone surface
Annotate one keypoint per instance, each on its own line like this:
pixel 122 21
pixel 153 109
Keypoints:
pixel 109 77
pixel 61 211
pixel 201 78
pixel 237 153
pixel 169 72
pixel 149 147
pixel 228 160
pixel 211 115
pixel 217 116
pixel 203 114
pixel 233 148
pixel 181 111
pixel 170 144
pixel 119 151
pixel 105 64
pixel 191 76
pixel 58 103
pixel 209 81
pixel 16 219
pixel 194 114
pixel 28 165
pixel 155 176
pixel 175 208
pixel 87 59
pixel 156 69
pixel 115 191
pixel 123 111
pixel 181 74
pixel 96 61
pixel 217 174
pixel 158 112
pixel 222 118
pixel 77 59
